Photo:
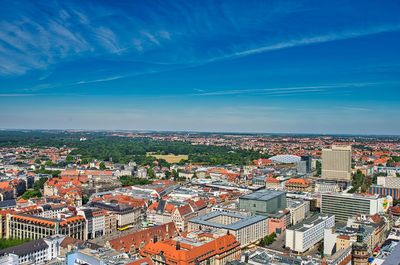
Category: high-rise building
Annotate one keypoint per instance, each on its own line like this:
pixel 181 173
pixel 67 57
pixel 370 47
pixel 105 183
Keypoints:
pixel 336 163
pixel 304 166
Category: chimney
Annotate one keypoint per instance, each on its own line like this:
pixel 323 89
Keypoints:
pixel 178 245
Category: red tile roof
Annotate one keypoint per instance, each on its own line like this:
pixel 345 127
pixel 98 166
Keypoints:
pixel 139 239
pixel 189 253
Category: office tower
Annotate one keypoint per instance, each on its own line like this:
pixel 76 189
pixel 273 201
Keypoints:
pixel 336 163
pixel 304 166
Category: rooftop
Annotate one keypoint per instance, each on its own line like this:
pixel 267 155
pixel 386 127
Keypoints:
pixel 310 222
pixel 243 221
pixel 263 195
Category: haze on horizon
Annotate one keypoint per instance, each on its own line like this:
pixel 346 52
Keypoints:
pixel 254 66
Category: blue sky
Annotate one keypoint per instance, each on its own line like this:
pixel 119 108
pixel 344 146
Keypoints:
pixel 243 66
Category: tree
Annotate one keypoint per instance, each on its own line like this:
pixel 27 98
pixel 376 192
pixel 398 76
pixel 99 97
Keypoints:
pixel 131 181
pixel 359 181
pixel 7 243
pixel 31 194
pixel 39 184
pixel 69 158
pixel 318 167
pixel 85 199
pixel 267 240
pixel 102 166
pixel 150 173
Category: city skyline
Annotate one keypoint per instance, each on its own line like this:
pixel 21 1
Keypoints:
pixel 276 67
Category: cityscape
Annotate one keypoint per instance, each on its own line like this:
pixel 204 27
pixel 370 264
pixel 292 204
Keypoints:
pixel 199 132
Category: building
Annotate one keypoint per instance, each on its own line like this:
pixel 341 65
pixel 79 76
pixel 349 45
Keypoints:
pixel 278 222
pixel 181 215
pixel 298 184
pixel 201 250
pixel 124 213
pixel 345 205
pixel 304 166
pixel 387 186
pixel 263 202
pixel 336 163
pixel 388 182
pixel 324 186
pixel 308 233
pixel 385 191
pixel 298 209
pixel 100 256
pixel 24 226
pixel 247 229
pixel 95 221
pixel 110 224
pixel 33 252
pixel 159 212
pixel 133 243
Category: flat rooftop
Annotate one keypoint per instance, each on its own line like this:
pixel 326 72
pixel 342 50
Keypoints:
pixel 263 195
pixel 243 221
pixel 310 222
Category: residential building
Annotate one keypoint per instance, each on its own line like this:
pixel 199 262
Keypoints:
pixel 336 163
pixel 308 233
pixel 181 215
pixel 247 229
pixel 110 224
pixel 159 212
pixel 263 202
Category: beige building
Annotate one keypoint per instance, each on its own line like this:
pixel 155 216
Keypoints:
pixel 336 163
pixel 298 210
pixel 110 224
pixel 22 226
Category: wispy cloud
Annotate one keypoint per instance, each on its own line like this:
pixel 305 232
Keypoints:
pixel 99 80
pixel 309 40
pixel 282 90
pixel 356 109
pixel 16 95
